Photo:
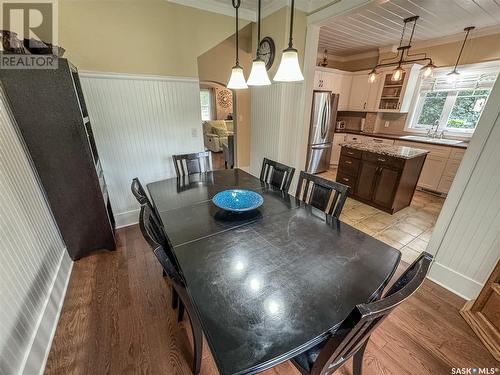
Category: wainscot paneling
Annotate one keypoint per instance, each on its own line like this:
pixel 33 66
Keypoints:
pixel 466 238
pixel 139 122
pixel 275 122
pixel 34 265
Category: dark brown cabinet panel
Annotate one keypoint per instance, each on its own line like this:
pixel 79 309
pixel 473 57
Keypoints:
pixel 385 182
pixel 366 180
pixel 385 186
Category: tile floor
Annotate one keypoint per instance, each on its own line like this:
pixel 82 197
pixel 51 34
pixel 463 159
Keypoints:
pixel 408 230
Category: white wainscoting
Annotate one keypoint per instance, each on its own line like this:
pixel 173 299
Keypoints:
pixel 34 265
pixel 466 238
pixel 275 122
pixel 139 122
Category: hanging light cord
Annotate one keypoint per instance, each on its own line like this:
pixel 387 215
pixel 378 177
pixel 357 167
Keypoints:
pixel 290 42
pixel 468 29
pixel 258 33
pixel 236 5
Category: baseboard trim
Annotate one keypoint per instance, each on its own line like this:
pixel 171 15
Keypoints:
pixel 455 282
pixel 38 353
pixel 126 219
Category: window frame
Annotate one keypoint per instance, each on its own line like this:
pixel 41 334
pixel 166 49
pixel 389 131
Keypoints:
pixel 210 104
pixel 418 101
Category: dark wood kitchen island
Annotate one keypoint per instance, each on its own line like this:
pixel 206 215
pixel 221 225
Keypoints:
pixel 381 175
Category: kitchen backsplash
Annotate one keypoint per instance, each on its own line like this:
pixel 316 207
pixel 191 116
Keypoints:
pixel 373 122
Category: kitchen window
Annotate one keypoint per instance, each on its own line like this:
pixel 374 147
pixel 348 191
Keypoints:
pixel 206 104
pixel 451 107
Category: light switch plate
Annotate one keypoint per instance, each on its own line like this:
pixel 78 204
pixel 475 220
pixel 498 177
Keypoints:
pixel 386 124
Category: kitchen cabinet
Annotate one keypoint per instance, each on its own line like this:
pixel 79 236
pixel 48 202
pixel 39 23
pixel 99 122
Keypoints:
pixel 396 96
pixel 338 139
pixel 363 95
pixel 440 167
pixel 380 176
pixel 336 81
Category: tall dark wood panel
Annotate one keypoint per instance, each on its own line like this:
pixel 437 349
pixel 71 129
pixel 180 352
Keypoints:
pixel 51 114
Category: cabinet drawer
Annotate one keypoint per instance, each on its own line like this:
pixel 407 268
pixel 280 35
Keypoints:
pixel 350 152
pixel 348 165
pixel 346 180
pixel 457 154
pixel 353 138
pixel 384 160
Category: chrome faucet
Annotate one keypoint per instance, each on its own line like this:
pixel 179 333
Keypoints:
pixel 433 131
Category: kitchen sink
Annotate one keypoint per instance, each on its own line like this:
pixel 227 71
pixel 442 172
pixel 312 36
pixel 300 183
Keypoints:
pixel 442 141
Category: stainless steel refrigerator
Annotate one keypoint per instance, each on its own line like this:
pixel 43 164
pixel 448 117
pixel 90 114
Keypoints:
pixel 323 120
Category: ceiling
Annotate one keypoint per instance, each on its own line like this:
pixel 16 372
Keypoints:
pixel 379 23
pixel 248 9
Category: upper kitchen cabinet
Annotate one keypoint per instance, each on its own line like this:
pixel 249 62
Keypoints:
pixel 336 81
pixel 396 96
pixel 363 95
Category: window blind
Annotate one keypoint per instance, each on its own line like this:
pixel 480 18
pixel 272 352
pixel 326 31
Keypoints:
pixel 464 82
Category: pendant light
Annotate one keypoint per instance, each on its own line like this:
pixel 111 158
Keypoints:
pixel 237 80
pixel 404 56
pixel 289 69
pixel 453 75
pixel 258 74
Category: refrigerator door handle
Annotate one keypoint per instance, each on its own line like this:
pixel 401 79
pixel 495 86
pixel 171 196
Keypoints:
pixel 324 117
pixel 321 147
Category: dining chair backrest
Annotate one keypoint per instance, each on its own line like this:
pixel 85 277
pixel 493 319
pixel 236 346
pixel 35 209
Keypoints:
pixel 139 192
pixel 198 162
pixel 276 174
pixel 155 236
pixel 355 330
pixel 326 195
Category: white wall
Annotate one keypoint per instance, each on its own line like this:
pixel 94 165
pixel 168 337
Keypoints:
pixel 34 265
pixel 139 122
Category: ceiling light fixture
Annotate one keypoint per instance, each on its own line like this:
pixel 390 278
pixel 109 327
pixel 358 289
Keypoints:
pixel 237 80
pixel 289 69
pixel 453 75
pixel 404 57
pixel 258 74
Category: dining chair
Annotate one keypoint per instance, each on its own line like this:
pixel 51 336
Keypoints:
pixel 276 174
pixel 162 250
pixel 351 338
pixel 325 195
pixel 198 162
pixel 139 192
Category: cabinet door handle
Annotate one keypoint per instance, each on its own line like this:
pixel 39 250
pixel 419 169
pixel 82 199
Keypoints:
pixel 350 153
pixel 364 106
pixel 348 162
pixel 378 141
pixel 345 179
pixel 399 105
pixel 382 160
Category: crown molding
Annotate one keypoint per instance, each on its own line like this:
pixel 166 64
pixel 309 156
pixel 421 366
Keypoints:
pixel 358 56
pixel 307 6
pixel 216 7
pixel 485 31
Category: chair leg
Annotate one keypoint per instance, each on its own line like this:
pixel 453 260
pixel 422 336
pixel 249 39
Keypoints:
pixel 175 298
pixel 357 362
pixel 180 315
pixel 164 273
pixel 197 346
pixel 225 164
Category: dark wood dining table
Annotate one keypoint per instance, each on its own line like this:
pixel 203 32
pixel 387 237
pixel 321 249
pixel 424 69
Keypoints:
pixel 270 283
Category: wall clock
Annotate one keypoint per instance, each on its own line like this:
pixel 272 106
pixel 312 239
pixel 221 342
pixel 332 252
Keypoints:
pixel 267 51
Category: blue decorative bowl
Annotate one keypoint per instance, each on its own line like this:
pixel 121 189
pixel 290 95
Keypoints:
pixel 238 200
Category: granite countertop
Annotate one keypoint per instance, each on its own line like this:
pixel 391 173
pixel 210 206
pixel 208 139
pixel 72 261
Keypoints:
pixel 386 149
pixel 399 137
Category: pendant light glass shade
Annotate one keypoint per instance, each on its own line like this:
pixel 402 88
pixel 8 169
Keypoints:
pixel 372 77
pixel 452 76
pixel 237 80
pixel 289 69
pixel 428 70
pixel 397 75
pixel 258 75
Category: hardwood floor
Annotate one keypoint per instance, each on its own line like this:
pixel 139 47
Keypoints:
pixel 117 319
pixel 408 230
